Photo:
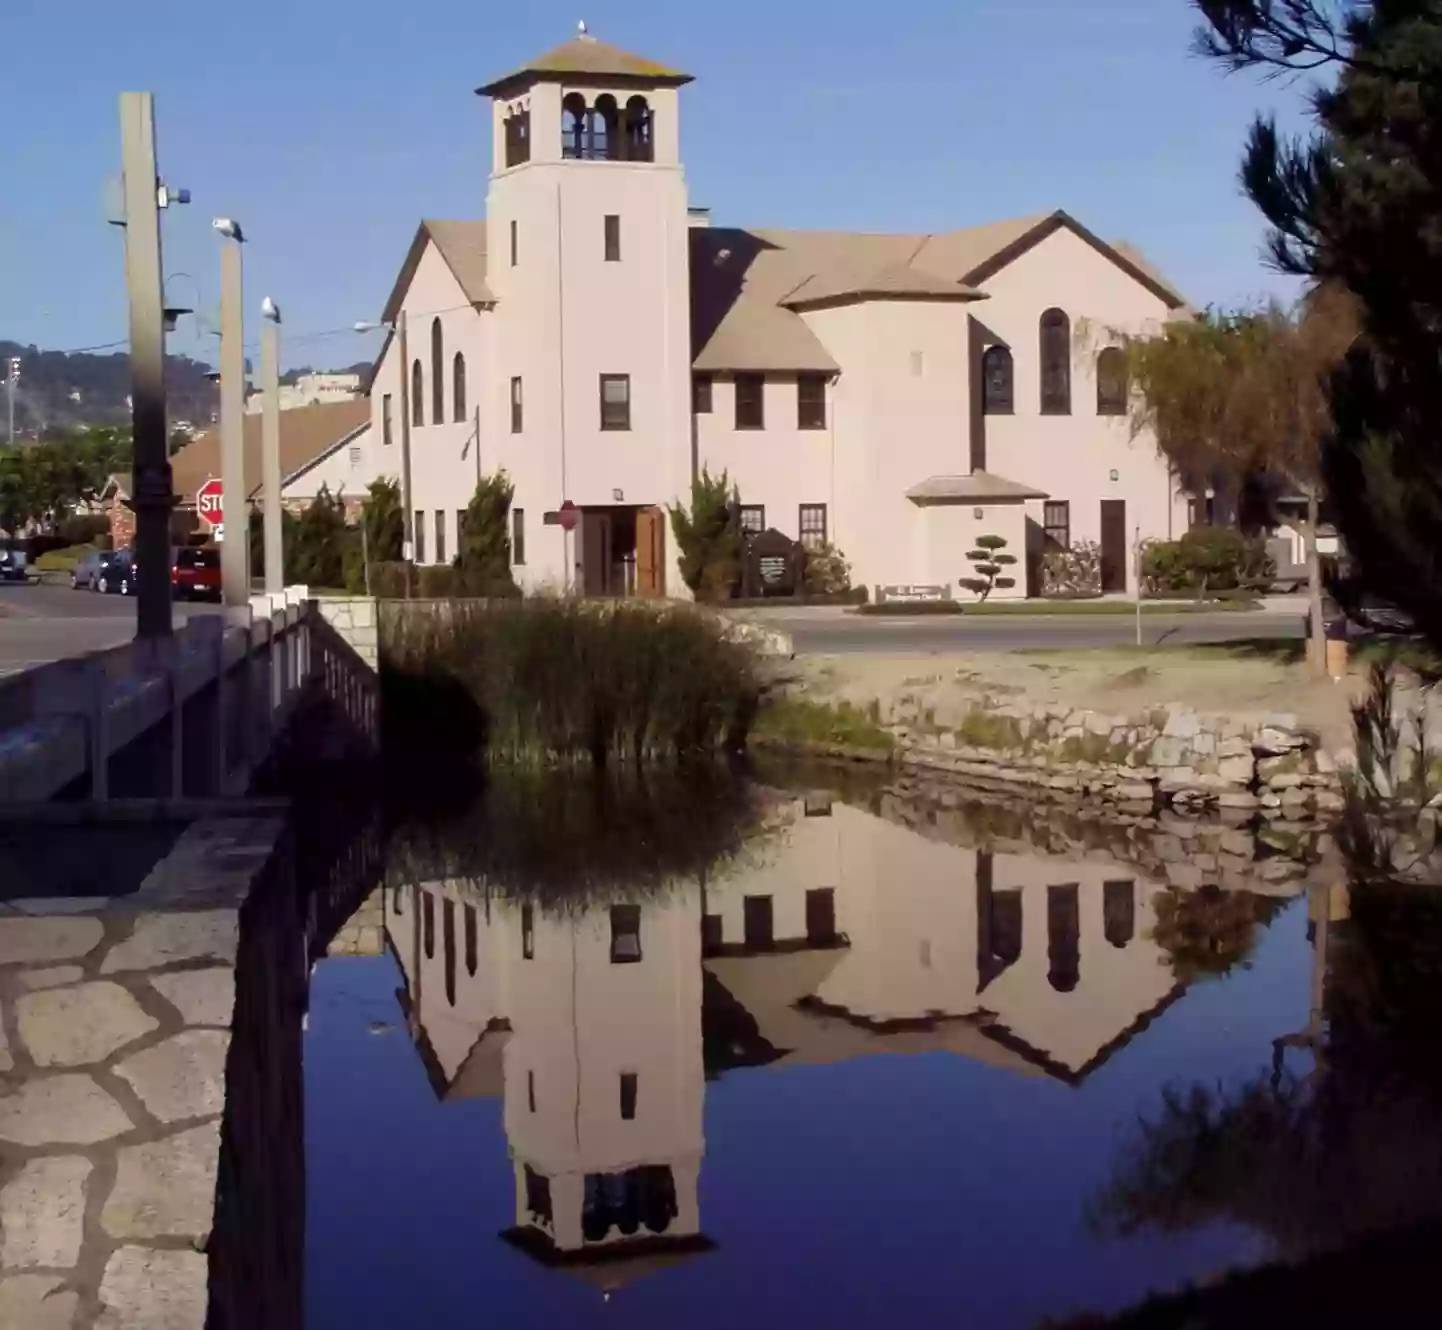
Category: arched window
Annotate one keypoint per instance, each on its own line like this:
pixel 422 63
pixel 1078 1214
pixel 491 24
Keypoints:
pixel 448 945
pixel 573 126
pixel 428 924
pixel 1119 912
pixel 470 922
pixel 418 407
pixel 458 386
pixel 438 373
pixel 1112 386
pixel 605 122
pixel 1063 937
pixel 1055 364
pixel 637 131
pixel 518 137
pixel 996 379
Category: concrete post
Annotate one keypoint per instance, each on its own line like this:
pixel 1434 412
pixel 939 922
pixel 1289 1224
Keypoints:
pixel 151 497
pixel 408 552
pixel 235 510
pixel 270 477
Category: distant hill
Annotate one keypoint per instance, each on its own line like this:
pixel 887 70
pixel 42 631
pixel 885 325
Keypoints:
pixel 60 390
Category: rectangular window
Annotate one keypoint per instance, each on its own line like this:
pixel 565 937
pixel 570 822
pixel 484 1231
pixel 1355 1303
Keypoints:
pixel 440 535
pixel 518 537
pixel 420 537
pixel 750 401
pixel 613 238
pixel 531 1090
pixel 701 393
pixel 528 933
pixel 518 416
pixel 355 458
pixel 515 243
pixel 811 401
pixel 753 518
pixel 630 1084
pixel 1056 520
pixel 615 401
pixel 813 525
pixel 625 934
pixel 387 436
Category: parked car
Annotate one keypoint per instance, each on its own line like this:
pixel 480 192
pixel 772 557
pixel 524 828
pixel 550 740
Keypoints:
pixel 195 572
pixel 85 576
pixel 118 575
pixel 12 566
pixel 1370 616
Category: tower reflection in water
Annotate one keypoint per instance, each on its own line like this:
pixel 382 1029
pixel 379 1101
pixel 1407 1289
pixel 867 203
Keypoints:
pixel 837 935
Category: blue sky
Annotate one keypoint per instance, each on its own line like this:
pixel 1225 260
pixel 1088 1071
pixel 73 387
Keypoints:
pixel 329 127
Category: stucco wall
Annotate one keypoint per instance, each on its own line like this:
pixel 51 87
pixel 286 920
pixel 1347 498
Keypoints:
pixel 344 475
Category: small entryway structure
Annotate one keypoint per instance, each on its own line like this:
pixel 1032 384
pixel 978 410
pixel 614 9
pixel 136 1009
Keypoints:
pixel 1114 545
pixel 621 551
pixel 953 512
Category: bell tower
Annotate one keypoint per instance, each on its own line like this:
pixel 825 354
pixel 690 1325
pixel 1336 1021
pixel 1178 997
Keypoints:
pixel 587 255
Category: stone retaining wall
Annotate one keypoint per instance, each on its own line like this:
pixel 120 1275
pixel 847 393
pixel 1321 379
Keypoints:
pixel 116 1022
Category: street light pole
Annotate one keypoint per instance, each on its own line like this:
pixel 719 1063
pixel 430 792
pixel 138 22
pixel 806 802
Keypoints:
pixel 270 477
pixel 151 496
pixel 235 549
pixel 408 548
pixel 12 377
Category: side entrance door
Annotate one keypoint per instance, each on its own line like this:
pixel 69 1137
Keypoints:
pixel 1114 545
pixel 650 552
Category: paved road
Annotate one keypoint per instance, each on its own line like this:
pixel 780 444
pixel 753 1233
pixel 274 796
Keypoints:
pixel 39 624
pixel 828 631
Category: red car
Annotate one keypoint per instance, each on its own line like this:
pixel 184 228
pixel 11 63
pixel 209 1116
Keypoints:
pixel 195 573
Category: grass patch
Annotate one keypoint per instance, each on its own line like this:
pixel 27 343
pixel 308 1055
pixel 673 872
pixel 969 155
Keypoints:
pixel 542 681
pixel 795 720
pixel 911 609
pixel 1096 749
pixel 985 729
pixel 1069 608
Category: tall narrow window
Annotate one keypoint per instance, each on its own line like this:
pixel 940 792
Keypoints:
pixel 638 146
pixel 448 946
pixel 1119 912
pixel 625 934
pixel 420 536
pixel 811 401
pixel 518 537
pixel 531 1091
pixel 1063 937
pixel 605 122
pixel 458 387
pixel 813 525
pixel 630 1084
pixel 573 126
pixel 428 924
pixel 750 401
pixel 518 138
pixel 515 243
pixel 418 386
pixel 615 401
pixel 613 238
pixel 1055 347
pixel 387 436
pixel 460 530
pixel 1056 524
pixel 398 900
pixel 1112 387
pixel 438 373
pixel 528 933
pixel 469 921
pixel 996 381
pixel 701 393
pixel 440 535
pixel 517 411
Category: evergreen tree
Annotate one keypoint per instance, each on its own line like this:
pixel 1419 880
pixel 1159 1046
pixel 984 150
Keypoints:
pixel 709 538
pixel 1358 206
pixel 483 563
pixel 384 523
pixel 316 554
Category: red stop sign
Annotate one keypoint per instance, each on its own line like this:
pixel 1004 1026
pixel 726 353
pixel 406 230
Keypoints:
pixel 208 502
pixel 570 515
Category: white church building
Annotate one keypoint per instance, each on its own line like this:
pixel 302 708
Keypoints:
pixel 894 395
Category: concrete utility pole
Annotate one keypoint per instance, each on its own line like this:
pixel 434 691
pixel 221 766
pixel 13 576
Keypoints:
pixel 12 380
pixel 234 511
pixel 270 477
pixel 408 550
pixel 151 497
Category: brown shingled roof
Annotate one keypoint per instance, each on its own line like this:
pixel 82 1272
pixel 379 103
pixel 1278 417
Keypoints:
pixel 462 244
pixel 584 56
pixel 307 434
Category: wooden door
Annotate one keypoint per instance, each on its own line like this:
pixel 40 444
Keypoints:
pixel 757 923
pixel 650 552
pixel 821 916
pixel 1114 544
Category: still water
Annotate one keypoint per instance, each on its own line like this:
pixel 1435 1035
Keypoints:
pixel 808 1056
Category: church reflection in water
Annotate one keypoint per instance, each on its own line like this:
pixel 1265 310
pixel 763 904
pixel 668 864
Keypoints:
pixel 842 935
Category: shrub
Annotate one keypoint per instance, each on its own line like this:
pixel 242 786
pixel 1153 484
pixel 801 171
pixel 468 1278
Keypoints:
pixel 436 582
pixel 315 555
pixel 383 521
pixel 827 571
pixel 989 563
pixel 483 566
pixel 62 561
pixel 800 721
pixel 1075 571
pixel 1206 559
pixel 708 539
pixel 388 580
pixel 564 680
pixel 84 529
